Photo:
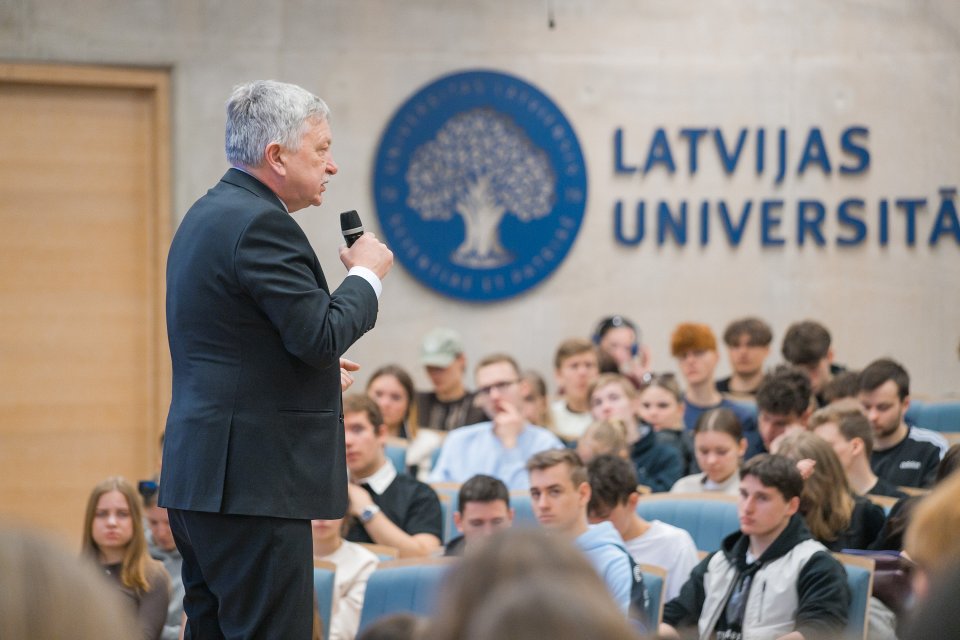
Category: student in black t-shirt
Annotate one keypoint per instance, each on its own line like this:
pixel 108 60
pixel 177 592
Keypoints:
pixel 390 508
pixel 904 456
pixel 449 405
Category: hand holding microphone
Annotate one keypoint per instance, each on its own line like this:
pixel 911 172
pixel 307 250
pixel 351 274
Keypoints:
pixel 363 249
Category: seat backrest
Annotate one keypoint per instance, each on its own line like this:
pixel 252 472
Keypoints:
pixel 708 518
pixel 398 456
pixel 522 509
pixel 323 590
pixel 409 585
pixel 655 579
pixel 860 580
pixel 936 416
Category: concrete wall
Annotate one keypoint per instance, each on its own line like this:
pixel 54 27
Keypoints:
pixel 890 65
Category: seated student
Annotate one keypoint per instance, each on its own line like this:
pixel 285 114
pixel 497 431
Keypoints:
pixel 891 537
pixel 162 547
pixel 748 345
pixel 658 466
pixel 603 437
pixel 719 445
pixel 904 456
pixel 619 340
pixel 770 579
pixel 783 404
pixel 449 405
pixel 613 498
pixel 483 508
pixel 501 446
pixel 391 387
pixel 835 515
pixel 844 386
pixel 695 348
pixel 389 508
pixel 806 345
pixel 661 407
pixel 113 538
pixel 559 492
pixel 354 566
pixel 536 403
pixel 576 367
pixel 847 430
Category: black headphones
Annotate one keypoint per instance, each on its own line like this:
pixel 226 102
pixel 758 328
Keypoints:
pixel 615 322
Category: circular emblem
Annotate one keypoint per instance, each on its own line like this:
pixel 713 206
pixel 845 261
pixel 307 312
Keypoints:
pixel 480 185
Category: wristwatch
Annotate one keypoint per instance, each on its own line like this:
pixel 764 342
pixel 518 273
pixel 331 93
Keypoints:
pixel 368 512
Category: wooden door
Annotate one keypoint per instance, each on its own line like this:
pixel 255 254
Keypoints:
pixel 84 228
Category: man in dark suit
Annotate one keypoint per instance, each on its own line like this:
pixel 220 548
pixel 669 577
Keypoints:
pixel 254 443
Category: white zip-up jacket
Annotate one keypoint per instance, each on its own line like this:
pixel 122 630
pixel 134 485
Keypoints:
pixel 796 585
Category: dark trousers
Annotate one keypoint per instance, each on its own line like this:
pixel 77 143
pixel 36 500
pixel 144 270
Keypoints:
pixel 245 577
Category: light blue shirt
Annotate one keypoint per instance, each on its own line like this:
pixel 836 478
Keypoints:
pixel 475 449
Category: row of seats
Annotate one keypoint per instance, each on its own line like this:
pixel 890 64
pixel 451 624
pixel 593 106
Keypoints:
pixel 413 585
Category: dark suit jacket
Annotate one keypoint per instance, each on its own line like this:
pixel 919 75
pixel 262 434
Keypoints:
pixel 255 424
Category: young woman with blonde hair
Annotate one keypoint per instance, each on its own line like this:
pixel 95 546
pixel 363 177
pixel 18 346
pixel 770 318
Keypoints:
pixel 113 538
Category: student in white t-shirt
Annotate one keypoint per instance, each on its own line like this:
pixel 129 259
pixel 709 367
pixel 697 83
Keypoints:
pixel 354 566
pixel 614 497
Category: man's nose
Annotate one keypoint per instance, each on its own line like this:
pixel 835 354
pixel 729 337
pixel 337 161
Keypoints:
pixel 332 167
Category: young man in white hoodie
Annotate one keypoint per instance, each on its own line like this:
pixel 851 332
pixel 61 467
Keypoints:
pixel 560 492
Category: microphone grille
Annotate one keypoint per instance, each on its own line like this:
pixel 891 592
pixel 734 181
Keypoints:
pixel 350 220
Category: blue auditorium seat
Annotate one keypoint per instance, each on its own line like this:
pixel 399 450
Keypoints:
pixel 399 586
pixel 708 517
pixel 323 585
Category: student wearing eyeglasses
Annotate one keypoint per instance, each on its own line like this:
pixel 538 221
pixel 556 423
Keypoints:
pixel 501 446
pixel 770 579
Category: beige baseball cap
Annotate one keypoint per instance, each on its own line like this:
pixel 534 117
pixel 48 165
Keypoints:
pixel 440 348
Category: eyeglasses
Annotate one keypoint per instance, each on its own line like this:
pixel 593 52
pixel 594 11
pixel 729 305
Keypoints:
pixel 499 386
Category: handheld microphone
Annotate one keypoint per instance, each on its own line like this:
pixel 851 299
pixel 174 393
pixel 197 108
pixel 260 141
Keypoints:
pixel 351 226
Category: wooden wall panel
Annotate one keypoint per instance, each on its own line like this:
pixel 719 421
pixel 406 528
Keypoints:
pixel 84 225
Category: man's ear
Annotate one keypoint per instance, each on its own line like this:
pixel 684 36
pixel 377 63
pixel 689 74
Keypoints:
pixel 793 505
pixel 632 500
pixel 585 492
pixel 857 445
pixel 273 158
pixel 830 355
pixel 458 521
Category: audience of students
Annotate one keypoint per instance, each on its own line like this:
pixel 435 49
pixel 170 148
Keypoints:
pixel 770 578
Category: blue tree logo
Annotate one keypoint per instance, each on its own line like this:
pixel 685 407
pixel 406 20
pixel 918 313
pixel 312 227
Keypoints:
pixel 480 166
pixel 480 185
